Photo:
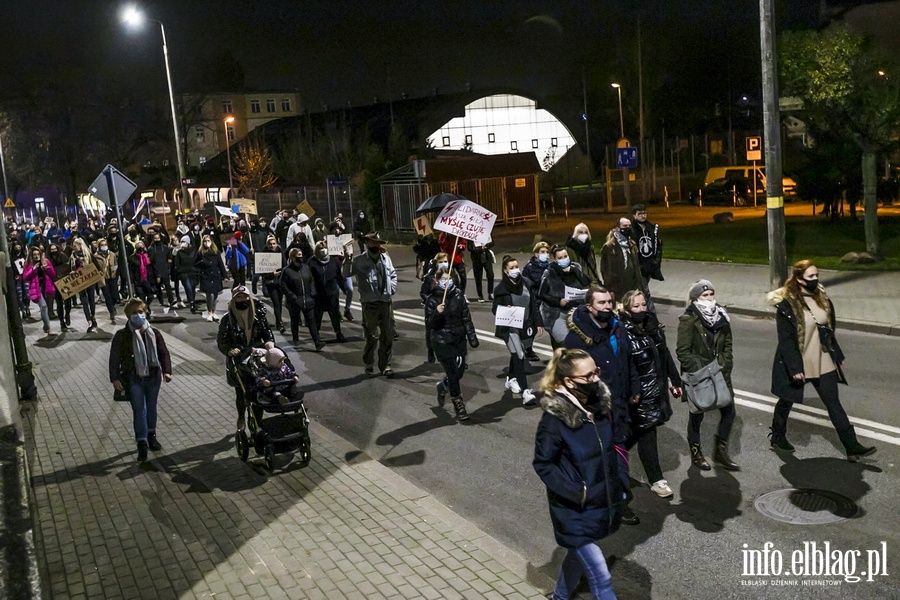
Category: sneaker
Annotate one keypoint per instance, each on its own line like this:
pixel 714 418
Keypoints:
pixel 629 518
pixel 215 317
pixel 441 393
pixel 389 373
pixel 209 317
pixel 339 338
pixel 319 345
pixel 513 385
pixel 481 300
pixel 166 309
pixel 661 488
pixel 348 315
pixel 529 398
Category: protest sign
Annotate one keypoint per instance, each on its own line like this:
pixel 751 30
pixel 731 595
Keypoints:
pixel 20 265
pixel 337 243
pixel 79 280
pixel 423 227
pixel 467 220
pixel 574 294
pixel 226 239
pixel 267 262
pixel 306 209
pixel 244 205
pixel 225 211
pixel 510 316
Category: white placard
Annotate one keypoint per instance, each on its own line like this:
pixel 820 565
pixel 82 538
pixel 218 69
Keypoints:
pixel 337 243
pixel 574 294
pixel 20 265
pixel 467 220
pixel 267 262
pixel 510 316
pixel 226 211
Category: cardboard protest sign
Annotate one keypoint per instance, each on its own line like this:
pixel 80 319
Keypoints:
pixel 510 316
pixel 423 227
pixel 245 205
pixel 267 262
pixel 306 208
pixel 337 243
pixel 574 294
pixel 226 239
pixel 77 281
pixel 467 220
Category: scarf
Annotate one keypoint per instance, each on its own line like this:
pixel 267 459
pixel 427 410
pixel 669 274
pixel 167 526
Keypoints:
pixel 625 244
pixel 143 263
pixel 143 342
pixel 514 285
pixel 713 316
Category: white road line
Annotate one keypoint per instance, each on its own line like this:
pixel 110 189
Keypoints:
pixel 800 412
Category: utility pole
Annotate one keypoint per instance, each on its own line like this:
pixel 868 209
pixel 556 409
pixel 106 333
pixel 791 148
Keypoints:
pixel 772 137
pixel 587 137
pixel 643 150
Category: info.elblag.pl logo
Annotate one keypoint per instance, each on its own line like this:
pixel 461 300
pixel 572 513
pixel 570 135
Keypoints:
pixel 813 564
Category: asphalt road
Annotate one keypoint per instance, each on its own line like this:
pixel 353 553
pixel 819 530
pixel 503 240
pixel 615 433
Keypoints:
pixel 689 547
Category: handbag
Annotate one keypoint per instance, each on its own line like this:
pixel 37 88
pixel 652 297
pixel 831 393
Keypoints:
pixel 826 333
pixel 706 388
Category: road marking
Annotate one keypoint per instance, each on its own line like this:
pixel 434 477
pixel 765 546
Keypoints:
pixel 800 412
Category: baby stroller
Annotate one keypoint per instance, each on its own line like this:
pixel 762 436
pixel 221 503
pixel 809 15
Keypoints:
pixel 287 430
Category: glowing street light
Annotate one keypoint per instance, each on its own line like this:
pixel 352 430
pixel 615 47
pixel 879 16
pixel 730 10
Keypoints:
pixel 621 118
pixel 133 17
pixel 226 122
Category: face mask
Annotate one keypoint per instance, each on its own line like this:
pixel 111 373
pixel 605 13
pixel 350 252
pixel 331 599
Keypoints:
pixel 298 261
pixel 362 216
pixel 137 320
pixel 604 315
pixel 196 228
pixel 207 244
pixel 514 273
pixel 810 284
pixel 707 304
pixel 582 237
pixel 242 304
pixel 139 249
pixel 543 258
pixel 184 245
pixel 104 248
pixel 639 317
pixel 443 265
pixel 626 231
pixel 445 284
pixel 323 255
pixel 373 249
pixel 586 390
pixel 564 262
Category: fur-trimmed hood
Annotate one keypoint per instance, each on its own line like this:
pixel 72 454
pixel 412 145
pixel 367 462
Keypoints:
pixel 579 321
pixel 797 305
pixel 558 405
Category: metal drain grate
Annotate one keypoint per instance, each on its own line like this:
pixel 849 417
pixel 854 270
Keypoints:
pixel 806 506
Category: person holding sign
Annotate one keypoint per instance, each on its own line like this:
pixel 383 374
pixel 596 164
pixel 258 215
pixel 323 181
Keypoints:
pixel 559 293
pixel 447 316
pixel 455 246
pixel 39 275
pixel 212 274
pixel 513 293
pixel 272 282
pixel 81 256
pixel 19 258
pixel 329 282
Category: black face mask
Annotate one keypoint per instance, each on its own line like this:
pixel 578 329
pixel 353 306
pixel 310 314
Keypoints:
pixel 242 305
pixel 626 231
pixel 373 249
pixel 639 317
pixel 587 391
pixel 604 315
pixel 810 284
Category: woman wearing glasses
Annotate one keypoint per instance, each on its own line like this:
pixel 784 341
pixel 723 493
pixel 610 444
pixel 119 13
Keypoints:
pixel 586 474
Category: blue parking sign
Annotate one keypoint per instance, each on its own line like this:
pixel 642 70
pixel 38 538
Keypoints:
pixel 626 158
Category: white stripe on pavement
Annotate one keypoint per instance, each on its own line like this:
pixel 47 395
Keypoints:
pixel 800 412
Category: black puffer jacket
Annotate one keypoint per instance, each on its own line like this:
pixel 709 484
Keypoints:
pixel 298 286
pixel 533 272
pixel 231 335
pixel 652 362
pixel 451 329
pixel 327 278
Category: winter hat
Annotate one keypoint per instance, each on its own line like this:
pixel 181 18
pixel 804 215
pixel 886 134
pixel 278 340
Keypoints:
pixel 698 287
pixel 185 240
pixel 274 356
pixel 238 235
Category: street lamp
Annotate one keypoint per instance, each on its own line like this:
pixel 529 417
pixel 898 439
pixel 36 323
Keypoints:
pixel 226 121
pixel 134 17
pixel 621 118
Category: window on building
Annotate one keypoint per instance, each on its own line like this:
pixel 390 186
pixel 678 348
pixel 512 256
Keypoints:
pixel 199 134
pixel 270 105
pixel 491 138
pixel 469 140
pixel 254 106
pixel 514 146
pixel 202 160
pixel 554 142
pixel 446 140
pixel 227 108
pixel 231 133
pixel 534 144
pixel 285 105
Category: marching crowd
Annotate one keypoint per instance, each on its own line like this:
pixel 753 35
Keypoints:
pixel 605 390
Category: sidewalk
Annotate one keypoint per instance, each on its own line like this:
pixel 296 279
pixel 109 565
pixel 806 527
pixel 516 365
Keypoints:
pixel 195 522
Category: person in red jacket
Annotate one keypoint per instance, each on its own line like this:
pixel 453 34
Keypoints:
pixel 446 242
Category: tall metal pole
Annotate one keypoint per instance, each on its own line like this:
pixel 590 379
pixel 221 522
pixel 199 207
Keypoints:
pixel 772 131
pixel 228 155
pixel 587 136
pixel 621 117
pixel 178 150
pixel 641 110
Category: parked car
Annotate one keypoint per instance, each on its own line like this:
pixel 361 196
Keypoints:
pixel 788 185
pixel 736 191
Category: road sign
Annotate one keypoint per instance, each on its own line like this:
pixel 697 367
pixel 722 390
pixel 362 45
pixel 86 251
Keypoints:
pixel 9 203
pixel 189 181
pixel 337 182
pixel 124 187
pixel 626 158
pixel 754 147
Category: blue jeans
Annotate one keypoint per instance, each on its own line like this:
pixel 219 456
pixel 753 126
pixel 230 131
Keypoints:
pixel 143 393
pixel 587 560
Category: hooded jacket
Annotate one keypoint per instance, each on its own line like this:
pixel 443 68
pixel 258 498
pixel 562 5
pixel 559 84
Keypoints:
pixel 585 474
pixel 584 252
pixel 451 329
pixel 649 247
pixel 40 280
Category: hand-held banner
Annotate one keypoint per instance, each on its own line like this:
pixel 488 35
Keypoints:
pixel 467 220
pixel 337 243
pixel 267 262
pixel 77 281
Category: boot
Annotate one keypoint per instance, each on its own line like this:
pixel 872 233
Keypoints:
pixel 697 457
pixel 778 441
pixel 152 442
pixel 854 449
pixel 721 455
pixel 441 393
pixel 142 451
pixel 460 408
pixel 348 315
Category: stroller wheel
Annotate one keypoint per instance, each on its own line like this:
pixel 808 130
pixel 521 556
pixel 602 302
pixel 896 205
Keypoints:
pixel 305 453
pixel 270 457
pixel 242 445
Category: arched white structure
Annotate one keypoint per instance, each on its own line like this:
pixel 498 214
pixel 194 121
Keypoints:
pixel 506 123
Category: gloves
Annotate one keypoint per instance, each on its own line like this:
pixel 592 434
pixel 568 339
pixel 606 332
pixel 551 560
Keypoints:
pixel 473 342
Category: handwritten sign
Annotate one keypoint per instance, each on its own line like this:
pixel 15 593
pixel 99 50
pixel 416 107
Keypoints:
pixel 510 316
pixel 467 220
pixel 574 294
pixel 423 227
pixel 245 205
pixel 77 281
pixel 267 262
pixel 306 209
pixel 20 265
pixel 226 239
pixel 337 243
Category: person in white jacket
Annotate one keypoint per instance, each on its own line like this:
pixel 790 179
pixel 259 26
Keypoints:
pixel 301 224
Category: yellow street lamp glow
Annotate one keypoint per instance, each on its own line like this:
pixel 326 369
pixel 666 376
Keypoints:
pixel 881 73
pixel 229 119
pixel 616 85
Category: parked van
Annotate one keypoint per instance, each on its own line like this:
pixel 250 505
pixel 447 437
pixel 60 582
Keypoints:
pixel 788 185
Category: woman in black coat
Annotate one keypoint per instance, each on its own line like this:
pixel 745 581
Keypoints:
pixel 212 274
pixel 555 307
pixel 447 316
pixel 586 474
pixel 299 291
pixel 513 291
pixel 583 251
pixel 272 282
pixel 803 355
pixel 186 267
pixel 329 282
pixel 652 362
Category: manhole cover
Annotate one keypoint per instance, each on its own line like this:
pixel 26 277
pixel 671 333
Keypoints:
pixel 806 507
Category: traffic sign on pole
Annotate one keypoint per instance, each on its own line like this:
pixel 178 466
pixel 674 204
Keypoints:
pixel 754 148
pixel 626 158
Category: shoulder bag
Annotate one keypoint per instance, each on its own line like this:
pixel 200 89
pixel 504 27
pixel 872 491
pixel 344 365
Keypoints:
pixel 706 388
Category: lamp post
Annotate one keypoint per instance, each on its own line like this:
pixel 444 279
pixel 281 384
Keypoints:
pixel 225 122
pixel 621 118
pixel 626 177
pixel 133 17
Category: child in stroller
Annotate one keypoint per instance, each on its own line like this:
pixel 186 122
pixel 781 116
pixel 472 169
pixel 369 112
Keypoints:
pixel 276 379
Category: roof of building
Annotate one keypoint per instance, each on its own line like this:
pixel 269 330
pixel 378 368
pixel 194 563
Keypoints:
pixel 474 166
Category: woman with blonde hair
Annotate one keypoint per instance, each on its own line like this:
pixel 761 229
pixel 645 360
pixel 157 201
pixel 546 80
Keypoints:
pixel 580 244
pixel 81 257
pixel 212 274
pixel 585 473
pixel 808 352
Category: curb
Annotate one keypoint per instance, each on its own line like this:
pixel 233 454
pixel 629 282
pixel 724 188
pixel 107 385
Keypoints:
pixel 863 326
pixel 19 572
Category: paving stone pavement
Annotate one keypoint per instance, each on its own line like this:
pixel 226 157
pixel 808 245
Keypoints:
pixel 197 523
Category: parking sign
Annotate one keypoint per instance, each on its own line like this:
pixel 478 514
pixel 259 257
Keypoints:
pixel 754 148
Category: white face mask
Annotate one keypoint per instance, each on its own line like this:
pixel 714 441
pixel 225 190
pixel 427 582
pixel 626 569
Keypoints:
pixel 582 237
pixel 514 273
pixel 207 244
pixel 707 304
pixel 443 265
